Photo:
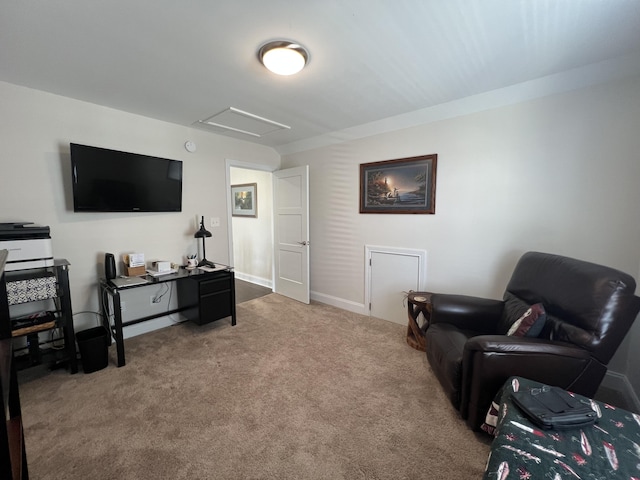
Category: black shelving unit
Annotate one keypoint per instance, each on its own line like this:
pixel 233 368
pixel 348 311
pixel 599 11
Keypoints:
pixel 55 352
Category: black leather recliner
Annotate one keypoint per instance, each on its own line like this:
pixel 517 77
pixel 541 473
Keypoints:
pixel 589 309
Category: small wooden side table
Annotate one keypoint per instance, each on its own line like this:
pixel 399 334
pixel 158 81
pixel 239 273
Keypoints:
pixel 418 303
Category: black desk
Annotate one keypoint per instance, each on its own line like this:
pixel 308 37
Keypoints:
pixel 203 297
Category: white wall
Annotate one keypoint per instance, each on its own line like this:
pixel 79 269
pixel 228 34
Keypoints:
pixel 559 174
pixel 35 185
pixel 253 237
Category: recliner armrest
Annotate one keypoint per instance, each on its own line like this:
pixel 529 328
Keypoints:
pixel 505 344
pixel 488 360
pixel 466 312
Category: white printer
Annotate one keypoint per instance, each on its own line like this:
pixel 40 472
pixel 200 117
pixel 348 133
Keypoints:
pixel 29 245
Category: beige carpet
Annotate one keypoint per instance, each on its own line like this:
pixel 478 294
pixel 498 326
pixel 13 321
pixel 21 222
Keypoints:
pixel 291 392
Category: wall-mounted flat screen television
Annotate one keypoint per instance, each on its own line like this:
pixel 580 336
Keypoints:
pixel 112 181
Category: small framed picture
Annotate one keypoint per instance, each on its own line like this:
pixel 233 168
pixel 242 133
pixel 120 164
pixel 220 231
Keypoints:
pixel 244 200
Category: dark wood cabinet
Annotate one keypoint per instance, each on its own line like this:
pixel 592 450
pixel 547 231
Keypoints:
pixel 13 455
pixel 209 297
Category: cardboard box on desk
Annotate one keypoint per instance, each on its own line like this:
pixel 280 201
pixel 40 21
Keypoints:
pixel 134 259
pixel 134 264
pixel 135 271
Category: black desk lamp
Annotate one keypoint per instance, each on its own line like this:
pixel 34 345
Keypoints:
pixel 204 233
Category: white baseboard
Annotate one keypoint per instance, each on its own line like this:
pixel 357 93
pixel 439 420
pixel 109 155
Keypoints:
pixel 265 282
pixel 620 383
pixel 339 303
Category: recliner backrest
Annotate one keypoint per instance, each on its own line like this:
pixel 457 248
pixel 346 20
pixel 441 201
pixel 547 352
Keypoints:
pixel 588 305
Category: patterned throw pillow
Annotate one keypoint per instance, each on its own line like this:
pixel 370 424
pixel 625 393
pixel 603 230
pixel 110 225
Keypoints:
pixel 531 322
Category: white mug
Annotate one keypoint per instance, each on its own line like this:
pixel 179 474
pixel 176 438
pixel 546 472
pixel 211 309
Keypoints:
pixel 192 262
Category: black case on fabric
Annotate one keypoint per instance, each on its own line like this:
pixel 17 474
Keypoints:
pixel 553 407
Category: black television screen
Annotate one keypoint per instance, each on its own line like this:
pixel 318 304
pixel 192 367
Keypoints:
pixel 112 181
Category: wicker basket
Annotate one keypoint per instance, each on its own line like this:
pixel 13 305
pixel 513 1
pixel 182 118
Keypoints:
pixel 32 329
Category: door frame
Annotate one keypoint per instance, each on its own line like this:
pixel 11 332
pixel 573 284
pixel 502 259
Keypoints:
pixel 369 249
pixel 249 166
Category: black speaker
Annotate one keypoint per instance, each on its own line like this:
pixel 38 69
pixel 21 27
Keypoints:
pixel 109 266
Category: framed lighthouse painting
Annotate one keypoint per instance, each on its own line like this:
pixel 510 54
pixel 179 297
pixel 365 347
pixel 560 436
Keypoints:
pixel 405 185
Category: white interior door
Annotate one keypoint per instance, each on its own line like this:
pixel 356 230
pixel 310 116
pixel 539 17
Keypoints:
pixel 291 233
pixel 392 273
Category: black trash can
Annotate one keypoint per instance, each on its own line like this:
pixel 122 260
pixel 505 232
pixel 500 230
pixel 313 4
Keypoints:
pixel 93 344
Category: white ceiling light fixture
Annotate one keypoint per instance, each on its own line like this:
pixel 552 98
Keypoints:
pixel 283 57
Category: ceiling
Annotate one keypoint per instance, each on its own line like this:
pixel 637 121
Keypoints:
pixel 370 60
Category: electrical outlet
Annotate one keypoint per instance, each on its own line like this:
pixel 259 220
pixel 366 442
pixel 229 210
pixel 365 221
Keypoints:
pixel 197 223
pixel 123 306
pixel 215 221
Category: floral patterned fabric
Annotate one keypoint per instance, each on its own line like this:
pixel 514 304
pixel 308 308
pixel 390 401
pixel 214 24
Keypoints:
pixel 610 449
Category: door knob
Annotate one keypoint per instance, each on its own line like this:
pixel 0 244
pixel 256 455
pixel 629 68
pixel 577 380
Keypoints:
pixel 304 242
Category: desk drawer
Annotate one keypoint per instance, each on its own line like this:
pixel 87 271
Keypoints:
pixel 214 307
pixel 215 285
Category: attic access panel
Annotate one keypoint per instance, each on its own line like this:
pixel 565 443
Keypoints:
pixel 237 120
